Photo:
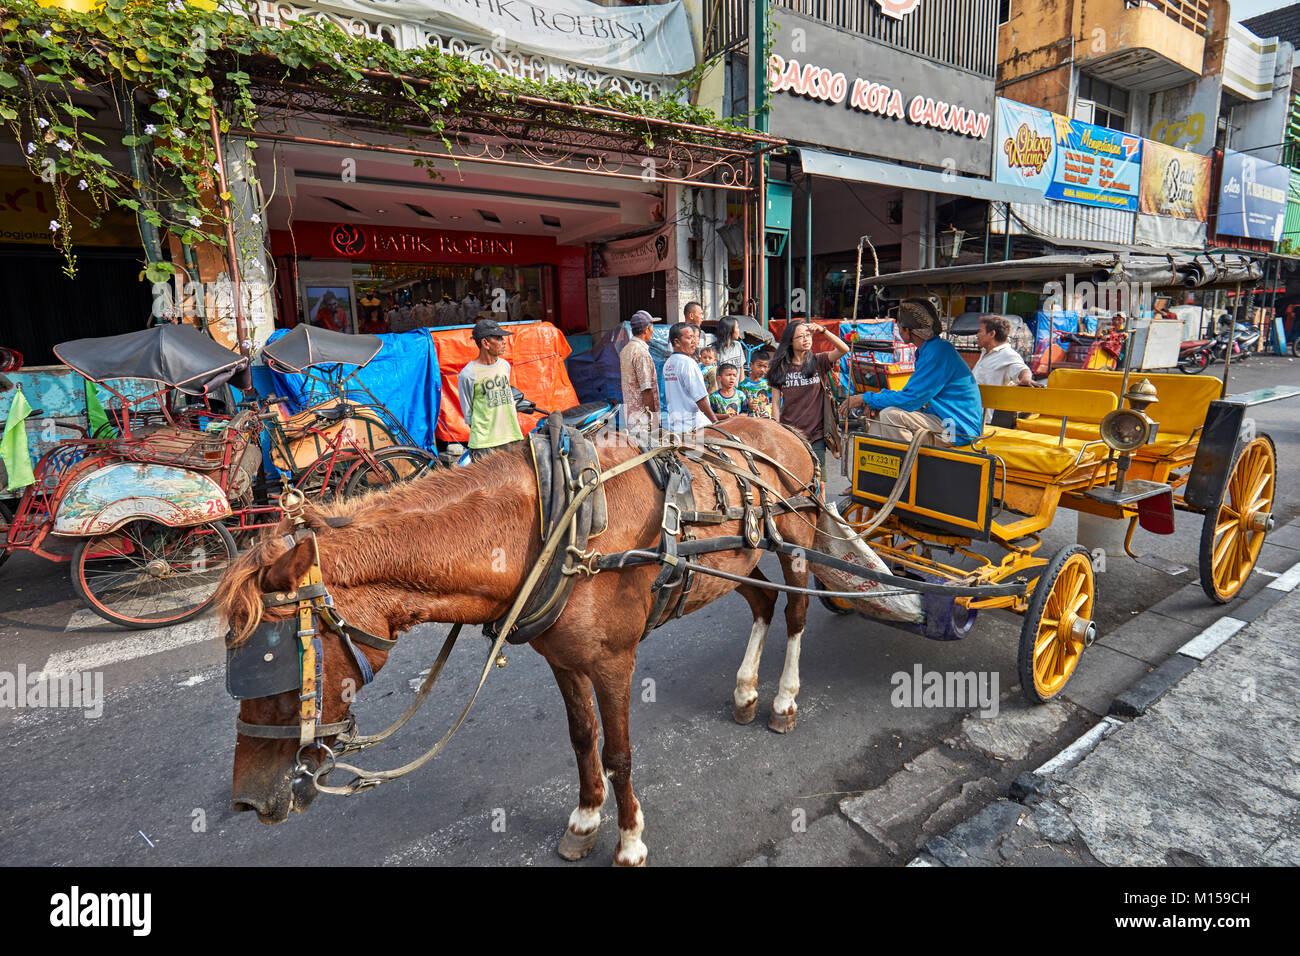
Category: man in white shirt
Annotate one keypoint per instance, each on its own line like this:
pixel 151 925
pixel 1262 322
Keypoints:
pixel 999 363
pixel 686 397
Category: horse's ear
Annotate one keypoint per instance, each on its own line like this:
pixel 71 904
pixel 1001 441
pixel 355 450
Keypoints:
pixel 287 571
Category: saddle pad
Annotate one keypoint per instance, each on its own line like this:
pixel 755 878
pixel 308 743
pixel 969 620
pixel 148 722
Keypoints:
pixel 582 455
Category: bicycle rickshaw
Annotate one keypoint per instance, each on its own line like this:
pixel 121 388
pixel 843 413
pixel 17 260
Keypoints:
pixel 1117 444
pixel 344 441
pixel 142 513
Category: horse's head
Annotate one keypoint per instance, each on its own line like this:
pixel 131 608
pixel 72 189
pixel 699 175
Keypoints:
pixel 259 599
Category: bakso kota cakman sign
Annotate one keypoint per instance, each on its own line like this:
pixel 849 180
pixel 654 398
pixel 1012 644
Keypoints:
pixel 650 40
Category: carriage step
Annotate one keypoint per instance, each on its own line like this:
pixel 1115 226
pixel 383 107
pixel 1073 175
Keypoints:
pixel 1172 568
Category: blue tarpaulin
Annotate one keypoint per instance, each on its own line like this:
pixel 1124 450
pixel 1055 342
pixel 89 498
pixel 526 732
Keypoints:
pixel 403 378
pixel 1055 321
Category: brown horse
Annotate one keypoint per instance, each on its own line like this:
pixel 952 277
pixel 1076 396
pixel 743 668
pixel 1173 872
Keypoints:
pixel 455 546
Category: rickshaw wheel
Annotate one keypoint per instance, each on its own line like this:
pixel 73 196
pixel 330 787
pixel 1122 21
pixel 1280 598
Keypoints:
pixel 834 605
pixel 1234 529
pixel 147 575
pixel 393 465
pixel 1058 624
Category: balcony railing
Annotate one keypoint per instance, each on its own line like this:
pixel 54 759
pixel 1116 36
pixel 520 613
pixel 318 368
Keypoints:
pixel 1193 14
pixel 961 33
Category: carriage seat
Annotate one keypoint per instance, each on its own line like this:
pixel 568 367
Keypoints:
pixel 1045 408
pixel 1184 401
pixel 1031 453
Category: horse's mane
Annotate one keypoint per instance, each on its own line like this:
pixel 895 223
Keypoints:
pixel 461 495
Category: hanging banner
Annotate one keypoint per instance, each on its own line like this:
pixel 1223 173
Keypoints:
pixel 1024 151
pixel 1096 166
pixel 630 257
pixel 1252 197
pixel 1175 183
pixel 652 40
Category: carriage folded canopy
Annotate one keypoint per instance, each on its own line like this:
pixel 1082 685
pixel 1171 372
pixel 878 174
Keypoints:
pixel 306 346
pixel 177 355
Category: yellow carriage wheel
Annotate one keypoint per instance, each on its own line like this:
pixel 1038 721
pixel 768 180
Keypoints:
pixel 834 605
pixel 1058 624
pixel 1234 529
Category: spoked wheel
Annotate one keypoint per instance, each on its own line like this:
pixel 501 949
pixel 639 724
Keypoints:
pixel 1058 624
pixel 146 574
pixel 834 605
pixel 1194 364
pixel 1235 527
pixel 391 466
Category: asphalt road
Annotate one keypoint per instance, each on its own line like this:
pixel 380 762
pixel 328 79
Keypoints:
pixel 148 781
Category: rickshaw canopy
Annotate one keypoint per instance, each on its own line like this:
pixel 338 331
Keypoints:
pixel 177 355
pixel 306 346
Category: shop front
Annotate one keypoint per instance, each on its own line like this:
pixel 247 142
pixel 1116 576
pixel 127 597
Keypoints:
pixel 358 277
pixel 893 146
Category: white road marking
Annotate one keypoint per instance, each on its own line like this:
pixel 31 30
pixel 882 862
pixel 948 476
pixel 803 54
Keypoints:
pixel 193 681
pixel 1081 747
pixel 1204 644
pixel 1289 579
pixel 138 644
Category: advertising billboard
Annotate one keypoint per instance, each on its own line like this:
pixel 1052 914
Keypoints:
pixel 1252 197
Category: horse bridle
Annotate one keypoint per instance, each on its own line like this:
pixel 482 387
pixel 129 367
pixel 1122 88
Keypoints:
pixel 261 666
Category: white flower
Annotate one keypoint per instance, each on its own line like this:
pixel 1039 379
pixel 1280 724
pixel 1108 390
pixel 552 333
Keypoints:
pixel 83 185
pixel 442 101
pixel 150 129
pixel 42 122
pixel 256 219
pixel 47 34
pixel 216 165
pixel 31 148
pixel 195 221
pixel 54 225
pixel 64 145
pixel 163 94
pixel 176 133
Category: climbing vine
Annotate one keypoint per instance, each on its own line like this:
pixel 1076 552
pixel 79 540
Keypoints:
pixel 165 65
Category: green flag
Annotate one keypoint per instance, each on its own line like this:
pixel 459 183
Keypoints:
pixel 13 447
pixel 95 412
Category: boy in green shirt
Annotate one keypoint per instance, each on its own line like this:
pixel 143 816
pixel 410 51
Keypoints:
pixel 486 398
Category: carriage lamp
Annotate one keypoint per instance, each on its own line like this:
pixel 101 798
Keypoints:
pixel 1125 430
pixel 950 242
pixel 1141 394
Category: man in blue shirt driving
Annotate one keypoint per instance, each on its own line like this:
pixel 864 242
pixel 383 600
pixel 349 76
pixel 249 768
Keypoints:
pixel 941 396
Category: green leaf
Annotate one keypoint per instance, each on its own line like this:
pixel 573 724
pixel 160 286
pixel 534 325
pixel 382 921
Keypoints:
pixel 7 81
pixel 7 113
pixel 159 271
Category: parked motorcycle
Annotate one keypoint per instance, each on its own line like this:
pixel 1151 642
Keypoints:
pixel 1197 355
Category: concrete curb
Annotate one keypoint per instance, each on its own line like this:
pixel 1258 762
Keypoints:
pixel 975 842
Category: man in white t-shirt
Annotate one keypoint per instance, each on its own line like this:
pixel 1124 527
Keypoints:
pixel 999 363
pixel 686 397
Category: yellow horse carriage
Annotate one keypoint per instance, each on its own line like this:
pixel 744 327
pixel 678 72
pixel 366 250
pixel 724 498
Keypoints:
pixel 1130 445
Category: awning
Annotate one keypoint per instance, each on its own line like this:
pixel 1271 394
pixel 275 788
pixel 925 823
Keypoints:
pixel 904 177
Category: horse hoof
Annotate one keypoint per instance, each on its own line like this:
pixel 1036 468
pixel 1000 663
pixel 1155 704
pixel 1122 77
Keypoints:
pixel 746 713
pixel 640 862
pixel 574 846
pixel 782 723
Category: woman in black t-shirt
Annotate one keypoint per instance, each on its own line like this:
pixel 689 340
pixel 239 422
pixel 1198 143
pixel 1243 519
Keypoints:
pixel 798 396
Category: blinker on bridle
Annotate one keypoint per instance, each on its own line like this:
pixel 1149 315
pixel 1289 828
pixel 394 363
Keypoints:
pixel 287 655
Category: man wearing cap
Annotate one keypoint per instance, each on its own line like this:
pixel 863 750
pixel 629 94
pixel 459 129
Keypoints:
pixel 486 398
pixel 940 397
pixel 640 386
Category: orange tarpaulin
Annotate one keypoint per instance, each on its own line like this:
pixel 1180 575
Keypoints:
pixel 536 353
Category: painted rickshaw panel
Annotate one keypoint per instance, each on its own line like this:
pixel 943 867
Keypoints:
pixel 110 497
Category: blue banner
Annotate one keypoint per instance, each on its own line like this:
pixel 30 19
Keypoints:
pixel 1096 166
pixel 1252 197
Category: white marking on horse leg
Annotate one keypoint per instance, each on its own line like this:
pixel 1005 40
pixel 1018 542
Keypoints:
pixel 631 851
pixel 784 702
pixel 584 821
pixel 747 677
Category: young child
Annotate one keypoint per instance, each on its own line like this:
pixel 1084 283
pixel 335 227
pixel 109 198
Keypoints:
pixel 727 399
pixel 708 359
pixel 758 394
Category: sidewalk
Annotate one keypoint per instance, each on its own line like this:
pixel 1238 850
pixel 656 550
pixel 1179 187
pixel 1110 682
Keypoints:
pixel 1206 772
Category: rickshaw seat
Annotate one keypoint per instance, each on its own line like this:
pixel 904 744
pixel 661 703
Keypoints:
pixel 1035 454
pixel 1085 408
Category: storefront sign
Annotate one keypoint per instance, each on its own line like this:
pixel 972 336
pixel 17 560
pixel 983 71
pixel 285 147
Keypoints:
pixel 630 257
pixel 1252 197
pixel 652 40
pixel 1024 150
pixel 360 242
pixel 845 91
pixel 27 209
pixel 1096 166
pixel 1175 183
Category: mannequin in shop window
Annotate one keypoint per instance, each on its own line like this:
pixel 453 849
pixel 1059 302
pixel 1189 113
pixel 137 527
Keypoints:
pixel 446 312
pixel 422 314
pixel 371 317
pixel 470 307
